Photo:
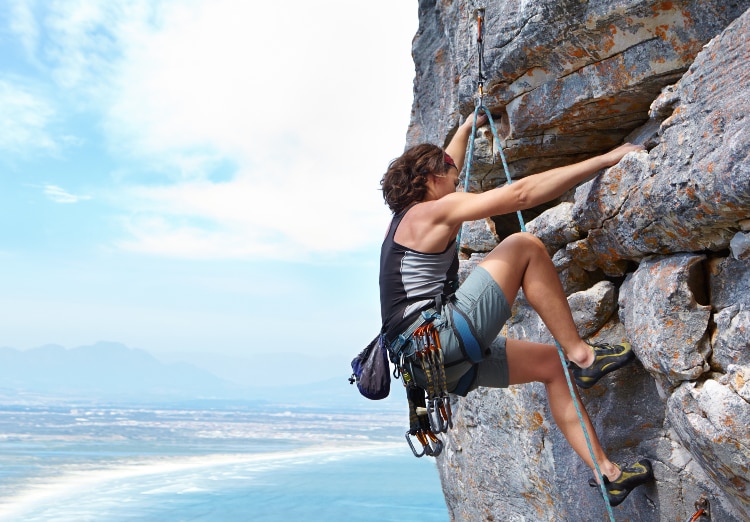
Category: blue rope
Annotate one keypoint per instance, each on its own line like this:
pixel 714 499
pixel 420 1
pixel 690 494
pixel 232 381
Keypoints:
pixel 480 106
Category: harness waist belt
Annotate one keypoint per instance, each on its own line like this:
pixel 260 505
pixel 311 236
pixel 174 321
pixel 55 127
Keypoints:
pixel 404 338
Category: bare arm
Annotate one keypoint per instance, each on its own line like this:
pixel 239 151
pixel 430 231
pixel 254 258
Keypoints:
pixel 525 193
pixel 456 149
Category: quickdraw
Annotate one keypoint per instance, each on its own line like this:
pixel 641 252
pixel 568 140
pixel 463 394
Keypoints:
pixel 430 355
pixel 429 408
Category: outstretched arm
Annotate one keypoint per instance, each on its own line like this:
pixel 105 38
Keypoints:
pixel 527 192
pixel 456 149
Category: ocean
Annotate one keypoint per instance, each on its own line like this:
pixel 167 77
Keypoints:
pixel 203 462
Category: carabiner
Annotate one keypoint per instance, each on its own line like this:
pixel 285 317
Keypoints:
pixel 434 416
pixel 411 445
pixel 435 447
pixel 440 414
pixel 445 409
pixel 401 371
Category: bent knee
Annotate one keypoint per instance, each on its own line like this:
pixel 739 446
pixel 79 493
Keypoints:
pixel 523 241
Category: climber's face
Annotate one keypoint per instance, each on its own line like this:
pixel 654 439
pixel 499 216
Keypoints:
pixel 445 182
pixel 452 172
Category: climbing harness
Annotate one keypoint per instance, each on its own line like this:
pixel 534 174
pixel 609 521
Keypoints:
pixel 479 106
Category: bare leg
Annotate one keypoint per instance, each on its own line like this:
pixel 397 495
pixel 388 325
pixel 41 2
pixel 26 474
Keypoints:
pixel 521 261
pixel 535 362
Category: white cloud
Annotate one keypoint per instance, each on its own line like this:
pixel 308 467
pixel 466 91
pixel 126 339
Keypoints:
pixel 306 98
pixel 25 120
pixel 289 214
pixel 60 195
pixel 79 41
pixel 245 79
pixel 23 24
pixel 69 46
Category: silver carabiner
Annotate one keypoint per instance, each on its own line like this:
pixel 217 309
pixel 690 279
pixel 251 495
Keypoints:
pixel 433 446
pixel 413 449
pixel 434 416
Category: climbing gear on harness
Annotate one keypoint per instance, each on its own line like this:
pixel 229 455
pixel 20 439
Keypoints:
pixel 418 349
pixel 630 478
pixel 430 354
pixel 402 347
pixel 607 358
pixel 419 425
pixel 429 405
pixel 479 106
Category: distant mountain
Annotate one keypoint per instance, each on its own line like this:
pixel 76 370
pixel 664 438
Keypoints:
pixel 267 369
pixel 107 369
pixel 114 372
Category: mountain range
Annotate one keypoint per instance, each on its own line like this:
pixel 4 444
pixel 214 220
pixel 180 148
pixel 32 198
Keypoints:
pixel 110 371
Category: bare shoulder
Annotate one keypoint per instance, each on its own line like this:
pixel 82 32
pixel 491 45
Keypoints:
pixel 422 228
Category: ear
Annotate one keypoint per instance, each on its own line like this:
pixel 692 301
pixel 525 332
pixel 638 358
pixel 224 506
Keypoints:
pixel 433 179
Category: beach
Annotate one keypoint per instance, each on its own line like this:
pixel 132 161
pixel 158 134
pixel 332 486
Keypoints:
pixel 175 463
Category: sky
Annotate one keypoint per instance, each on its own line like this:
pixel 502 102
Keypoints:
pixel 198 175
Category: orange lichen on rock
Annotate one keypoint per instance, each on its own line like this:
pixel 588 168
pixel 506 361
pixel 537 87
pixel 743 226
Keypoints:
pixel 537 421
pixel 664 6
pixel 609 42
pixel 662 31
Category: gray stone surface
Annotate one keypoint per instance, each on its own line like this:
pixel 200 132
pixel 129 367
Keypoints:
pixel 713 423
pixel 565 78
pixel 555 227
pixel 665 323
pixel 652 250
pixel 478 236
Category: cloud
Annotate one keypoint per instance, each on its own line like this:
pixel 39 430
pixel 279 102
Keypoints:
pixel 76 42
pixel 26 118
pixel 59 195
pixel 293 212
pixel 22 23
pixel 238 129
pixel 68 47
pixel 309 105
pixel 245 80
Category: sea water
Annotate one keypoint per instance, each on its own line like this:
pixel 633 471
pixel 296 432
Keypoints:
pixel 233 463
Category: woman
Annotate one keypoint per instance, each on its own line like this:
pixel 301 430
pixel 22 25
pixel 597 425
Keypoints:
pixel 419 266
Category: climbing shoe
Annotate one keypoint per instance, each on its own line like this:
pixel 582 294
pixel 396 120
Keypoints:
pixel 607 358
pixel 630 478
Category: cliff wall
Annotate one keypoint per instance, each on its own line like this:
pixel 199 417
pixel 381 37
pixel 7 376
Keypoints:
pixel 655 250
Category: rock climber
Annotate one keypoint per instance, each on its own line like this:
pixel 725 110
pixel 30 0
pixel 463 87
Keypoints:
pixel 419 269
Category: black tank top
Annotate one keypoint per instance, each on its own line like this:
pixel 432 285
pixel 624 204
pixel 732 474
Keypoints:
pixel 410 280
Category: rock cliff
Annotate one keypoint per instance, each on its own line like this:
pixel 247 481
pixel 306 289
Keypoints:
pixel 655 250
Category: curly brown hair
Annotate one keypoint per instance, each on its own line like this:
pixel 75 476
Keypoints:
pixel 405 181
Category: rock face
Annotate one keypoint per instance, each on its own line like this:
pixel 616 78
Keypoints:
pixel 655 250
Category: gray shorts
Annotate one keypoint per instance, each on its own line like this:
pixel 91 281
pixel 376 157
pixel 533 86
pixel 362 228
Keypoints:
pixel 485 307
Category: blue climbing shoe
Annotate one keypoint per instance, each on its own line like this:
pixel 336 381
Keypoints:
pixel 630 478
pixel 607 358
